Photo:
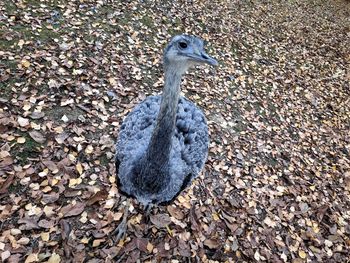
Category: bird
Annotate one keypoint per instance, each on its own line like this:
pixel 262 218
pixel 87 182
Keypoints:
pixel 163 142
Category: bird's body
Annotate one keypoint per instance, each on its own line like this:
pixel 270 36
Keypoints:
pixel 189 148
pixel 163 142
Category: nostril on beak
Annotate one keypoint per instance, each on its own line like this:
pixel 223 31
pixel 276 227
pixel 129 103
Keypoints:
pixel 205 56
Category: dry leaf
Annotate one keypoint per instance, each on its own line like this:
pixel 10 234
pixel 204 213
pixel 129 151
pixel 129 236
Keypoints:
pixel 79 168
pixel 160 220
pixel 37 136
pixel 23 122
pixel 32 258
pixel 99 196
pixel 55 258
pixel 73 210
pixel 212 244
pixel 5 186
pixel 21 140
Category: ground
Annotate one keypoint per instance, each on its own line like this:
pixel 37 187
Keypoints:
pixel 276 184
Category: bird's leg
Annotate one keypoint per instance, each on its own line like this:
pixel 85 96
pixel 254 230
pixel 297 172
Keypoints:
pixel 120 231
pixel 148 209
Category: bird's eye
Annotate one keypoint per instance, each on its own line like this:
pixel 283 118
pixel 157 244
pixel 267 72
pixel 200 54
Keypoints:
pixel 183 45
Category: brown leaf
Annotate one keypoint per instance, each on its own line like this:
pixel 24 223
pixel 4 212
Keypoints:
pixel 60 138
pixel 66 229
pixel 210 243
pixel 37 115
pixel 73 210
pixel 46 224
pixel 175 212
pixel 160 220
pixel 50 198
pixel 321 211
pixel 194 220
pixel 99 196
pixel 6 184
pixel 51 165
pixel 184 248
pixel 141 244
pixel 6 162
pixel 29 223
pixel 37 136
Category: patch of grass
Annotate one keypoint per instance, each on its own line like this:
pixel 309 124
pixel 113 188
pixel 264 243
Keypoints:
pixel 104 161
pixel 5 87
pixel 29 149
pixel 57 113
pixel 10 7
pixel 147 21
pixel 16 188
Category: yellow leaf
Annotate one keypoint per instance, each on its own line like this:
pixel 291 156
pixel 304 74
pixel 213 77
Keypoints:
pixel 89 149
pixel 55 258
pixel 21 140
pixel 215 217
pixel 32 258
pixel 27 106
pixel 47 189
pixel 149 247
pixel 20 42
pixel 302 254
pixel 10 138
pixel 85 240
pixel 79 168
pixel 112 81
pixel 74 181
pixel 45 236
pixel 112 179
pixel 25 63
pixel 54 181
pixel 97 242
pixel 181 199
pixel 169 230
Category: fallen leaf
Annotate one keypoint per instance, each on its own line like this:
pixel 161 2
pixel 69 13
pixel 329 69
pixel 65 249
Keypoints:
pixel 25 63
pixel 21 140
pixel 23 122
pixel 32 258
pixel 55 258
pixel 79 168
pixel 302 254
pixel 5 255
pixel 73 210
pixel 141 244
pixel 99 196
pixel 45 236
pixel 37 136
pixel 211 243
pixel 175 212
pixel 5 186
pixel 160 220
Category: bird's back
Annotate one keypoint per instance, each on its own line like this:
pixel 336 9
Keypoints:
pixel 188 153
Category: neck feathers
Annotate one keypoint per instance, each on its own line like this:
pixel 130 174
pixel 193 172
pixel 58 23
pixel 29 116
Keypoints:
pixel 160 144
pixel 154 173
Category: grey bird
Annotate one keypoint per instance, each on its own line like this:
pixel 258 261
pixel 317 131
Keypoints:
pixel 163 142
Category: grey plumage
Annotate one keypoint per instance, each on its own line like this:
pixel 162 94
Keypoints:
pixel 163 143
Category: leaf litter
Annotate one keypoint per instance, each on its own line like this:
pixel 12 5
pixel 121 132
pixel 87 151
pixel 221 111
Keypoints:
pixel 277 180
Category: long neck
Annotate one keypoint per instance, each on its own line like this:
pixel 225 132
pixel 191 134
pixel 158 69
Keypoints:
pixel 160 145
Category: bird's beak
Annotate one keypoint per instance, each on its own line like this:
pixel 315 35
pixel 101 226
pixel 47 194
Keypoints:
pixel 202 57
pixel 208 59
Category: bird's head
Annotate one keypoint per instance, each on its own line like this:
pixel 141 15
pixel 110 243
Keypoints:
pixel 185 51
